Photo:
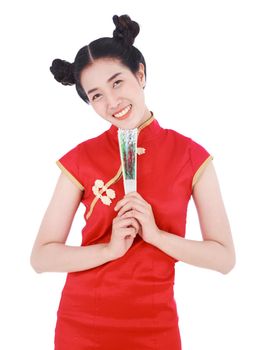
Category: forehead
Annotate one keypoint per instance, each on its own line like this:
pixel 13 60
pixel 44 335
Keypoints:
pixel 100 71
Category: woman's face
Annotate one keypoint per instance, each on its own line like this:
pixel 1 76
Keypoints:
pixel 115 93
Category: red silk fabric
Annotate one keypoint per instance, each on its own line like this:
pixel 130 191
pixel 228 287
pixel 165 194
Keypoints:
pixel 128 303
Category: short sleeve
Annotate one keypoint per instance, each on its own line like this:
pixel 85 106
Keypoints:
pixel 69 165
pixel 199 158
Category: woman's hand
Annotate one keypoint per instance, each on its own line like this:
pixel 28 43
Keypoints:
pixel 124 231
pixel 134 206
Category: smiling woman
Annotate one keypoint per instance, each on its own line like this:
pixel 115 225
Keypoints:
pixel 119 288
pixel 121 102
pixel 109 74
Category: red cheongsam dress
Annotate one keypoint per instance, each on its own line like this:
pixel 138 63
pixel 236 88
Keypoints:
pixel 128 303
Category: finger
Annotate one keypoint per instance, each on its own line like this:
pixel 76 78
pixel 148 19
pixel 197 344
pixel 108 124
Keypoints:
pixel 139 206
pixel 130 196
pixel 125 222
pixel 129 231
pixel 129 214
pixel 122 221
pixel 121 203
pixel 135 197
pixel 138 216
pixel 135 224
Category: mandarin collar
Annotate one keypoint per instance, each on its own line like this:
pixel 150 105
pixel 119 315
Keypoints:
pixel 146 131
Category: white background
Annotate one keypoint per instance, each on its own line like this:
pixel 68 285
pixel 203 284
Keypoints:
pixel 201 82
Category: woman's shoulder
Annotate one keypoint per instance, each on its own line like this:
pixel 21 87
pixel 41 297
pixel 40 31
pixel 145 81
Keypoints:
pixel 93 142
pixel 183 143
pixel 177 137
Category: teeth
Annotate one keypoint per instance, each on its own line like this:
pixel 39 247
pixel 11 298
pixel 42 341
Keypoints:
pixel 123 112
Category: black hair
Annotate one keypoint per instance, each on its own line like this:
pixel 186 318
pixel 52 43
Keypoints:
pixel 120 47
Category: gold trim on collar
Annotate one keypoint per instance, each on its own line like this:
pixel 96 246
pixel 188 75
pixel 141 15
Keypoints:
pixel 147 122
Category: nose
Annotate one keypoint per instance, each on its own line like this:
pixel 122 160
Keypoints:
pixel 113 102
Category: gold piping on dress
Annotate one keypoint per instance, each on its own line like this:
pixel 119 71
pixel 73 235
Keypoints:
pixel 200 170
pixel 71 177
pixel 119 173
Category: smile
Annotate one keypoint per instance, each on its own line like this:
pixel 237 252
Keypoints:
pixel 123 112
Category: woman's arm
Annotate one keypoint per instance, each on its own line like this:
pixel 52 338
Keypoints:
pixel 49 252
pixel 215 252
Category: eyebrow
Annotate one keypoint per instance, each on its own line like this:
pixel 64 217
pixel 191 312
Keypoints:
pixel 108 81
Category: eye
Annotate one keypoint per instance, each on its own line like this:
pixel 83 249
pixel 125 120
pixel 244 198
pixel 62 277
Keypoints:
pixel 95 97
pixel 117 82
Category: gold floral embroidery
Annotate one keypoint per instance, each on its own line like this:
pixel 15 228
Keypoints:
pixel 100 188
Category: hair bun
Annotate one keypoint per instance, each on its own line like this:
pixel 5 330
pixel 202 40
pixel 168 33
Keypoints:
pixel 62 71
pixel 126 29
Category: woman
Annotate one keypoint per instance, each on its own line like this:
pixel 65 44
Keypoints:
pixel 119 287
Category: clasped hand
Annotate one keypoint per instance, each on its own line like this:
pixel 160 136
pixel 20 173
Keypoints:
pixel 134 206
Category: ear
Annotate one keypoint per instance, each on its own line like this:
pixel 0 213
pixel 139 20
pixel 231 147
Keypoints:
pixel 141 75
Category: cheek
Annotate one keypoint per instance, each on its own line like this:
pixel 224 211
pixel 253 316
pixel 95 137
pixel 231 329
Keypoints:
pixel 135 94
pixel 137 90
pixel 140 95
pixel 99 109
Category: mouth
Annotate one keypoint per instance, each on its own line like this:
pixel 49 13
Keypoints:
pixel 124 113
